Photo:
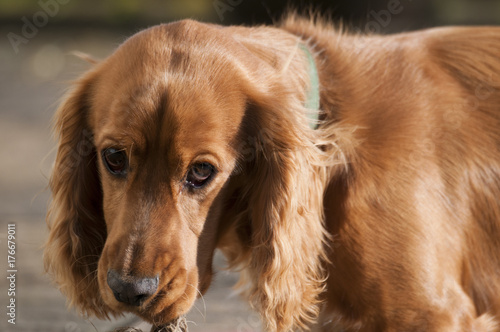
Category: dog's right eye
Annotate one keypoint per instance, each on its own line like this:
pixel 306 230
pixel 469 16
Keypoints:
pixel 115 161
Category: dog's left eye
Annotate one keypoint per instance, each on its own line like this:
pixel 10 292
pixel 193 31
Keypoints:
pixel 199 175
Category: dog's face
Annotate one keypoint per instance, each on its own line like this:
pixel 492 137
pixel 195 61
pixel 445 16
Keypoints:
pixel 188 138
pixel 165 136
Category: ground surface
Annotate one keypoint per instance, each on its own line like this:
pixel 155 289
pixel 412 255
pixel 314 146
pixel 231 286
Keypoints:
pixel 31 83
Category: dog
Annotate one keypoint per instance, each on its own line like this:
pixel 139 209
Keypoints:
pixel 353 179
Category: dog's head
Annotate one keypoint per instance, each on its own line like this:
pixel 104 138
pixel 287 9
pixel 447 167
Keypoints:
pixel 188 138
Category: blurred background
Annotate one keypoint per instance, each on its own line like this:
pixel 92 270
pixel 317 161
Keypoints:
pixel 36 66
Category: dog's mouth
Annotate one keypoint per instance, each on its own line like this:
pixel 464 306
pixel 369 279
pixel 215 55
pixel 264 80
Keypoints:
pixel 166 308
pixel 165 314
pixel 161 299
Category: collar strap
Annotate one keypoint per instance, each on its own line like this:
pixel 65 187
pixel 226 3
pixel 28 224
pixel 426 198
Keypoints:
pixel 312 101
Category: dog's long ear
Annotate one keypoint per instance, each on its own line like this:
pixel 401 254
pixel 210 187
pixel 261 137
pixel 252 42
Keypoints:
pixel 284 189
pixel 287 221
pixel 75 217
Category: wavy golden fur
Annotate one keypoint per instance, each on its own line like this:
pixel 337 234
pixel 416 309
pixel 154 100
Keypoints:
pixel 192 137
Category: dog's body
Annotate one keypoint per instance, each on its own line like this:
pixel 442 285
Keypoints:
pixel 384 218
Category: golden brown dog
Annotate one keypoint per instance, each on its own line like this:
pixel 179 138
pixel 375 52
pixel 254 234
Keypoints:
pixel 383 215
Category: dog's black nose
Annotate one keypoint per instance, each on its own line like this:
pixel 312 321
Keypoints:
pixel 130 290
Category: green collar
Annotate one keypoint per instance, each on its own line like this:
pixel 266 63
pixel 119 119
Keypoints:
pixel 312 101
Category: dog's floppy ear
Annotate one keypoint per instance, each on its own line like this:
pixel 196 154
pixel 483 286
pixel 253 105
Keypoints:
pixel 75 217
pixel 287 222
pixel 284 190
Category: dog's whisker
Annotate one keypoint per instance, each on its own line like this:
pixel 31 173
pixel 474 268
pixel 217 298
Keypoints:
pixel 204 313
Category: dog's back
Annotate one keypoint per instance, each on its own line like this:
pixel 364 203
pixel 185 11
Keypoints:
pixel 472 171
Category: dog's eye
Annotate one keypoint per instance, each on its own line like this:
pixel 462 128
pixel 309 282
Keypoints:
pixel 199 175
pixel 115 161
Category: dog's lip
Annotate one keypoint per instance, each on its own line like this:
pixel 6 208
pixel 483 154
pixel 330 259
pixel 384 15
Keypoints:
pixel 159 322
pixel 146 305
pixel 149 307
